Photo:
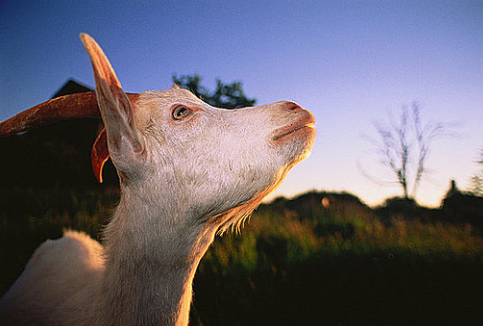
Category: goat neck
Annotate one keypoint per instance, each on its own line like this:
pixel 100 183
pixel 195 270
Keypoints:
pixel 151 258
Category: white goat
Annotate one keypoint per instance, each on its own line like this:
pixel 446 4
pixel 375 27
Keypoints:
pixel 187 171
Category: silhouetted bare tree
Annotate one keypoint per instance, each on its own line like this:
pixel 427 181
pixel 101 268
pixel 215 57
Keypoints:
pixel 403 146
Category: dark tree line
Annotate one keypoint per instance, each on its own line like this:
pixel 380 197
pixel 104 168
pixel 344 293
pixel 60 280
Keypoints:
pixel 227 96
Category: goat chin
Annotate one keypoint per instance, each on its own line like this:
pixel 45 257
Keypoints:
pixel 187 171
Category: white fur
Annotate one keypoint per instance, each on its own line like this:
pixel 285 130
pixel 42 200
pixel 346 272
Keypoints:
pixel 182 181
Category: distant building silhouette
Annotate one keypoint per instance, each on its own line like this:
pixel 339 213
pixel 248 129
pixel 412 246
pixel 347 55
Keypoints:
pixel 453 189
pixel 461 207
pixel 57 155
pixel 72 86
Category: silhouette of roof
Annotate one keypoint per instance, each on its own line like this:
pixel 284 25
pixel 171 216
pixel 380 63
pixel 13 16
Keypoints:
pixel 54 156
pixel 72 86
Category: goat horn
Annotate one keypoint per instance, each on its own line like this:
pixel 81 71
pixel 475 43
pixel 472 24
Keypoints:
pixel 81 105
pixel 68 107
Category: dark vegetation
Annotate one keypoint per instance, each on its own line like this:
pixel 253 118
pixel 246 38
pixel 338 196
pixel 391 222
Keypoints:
pixel 227 96
pixel 317 259
pixel 297 262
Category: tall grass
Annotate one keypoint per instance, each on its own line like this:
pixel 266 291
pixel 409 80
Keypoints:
pixel 306 264
pixel 285 236
pixel 297 262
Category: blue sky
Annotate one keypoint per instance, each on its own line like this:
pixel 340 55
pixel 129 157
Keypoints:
pixel 349 62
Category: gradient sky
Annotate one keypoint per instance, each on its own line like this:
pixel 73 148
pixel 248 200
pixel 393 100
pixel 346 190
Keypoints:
pixel 349 62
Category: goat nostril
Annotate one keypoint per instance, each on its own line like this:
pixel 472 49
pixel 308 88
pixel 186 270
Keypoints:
pixel 293 106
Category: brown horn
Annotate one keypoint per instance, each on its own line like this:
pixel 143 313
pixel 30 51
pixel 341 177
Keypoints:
pixel 68 107
pixel 81 105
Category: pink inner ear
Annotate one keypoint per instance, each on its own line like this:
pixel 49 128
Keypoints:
pixel 99 153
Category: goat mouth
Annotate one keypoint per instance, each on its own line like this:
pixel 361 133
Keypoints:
pixel 300 128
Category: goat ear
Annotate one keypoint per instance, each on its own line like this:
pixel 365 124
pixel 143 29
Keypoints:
pixel 126 146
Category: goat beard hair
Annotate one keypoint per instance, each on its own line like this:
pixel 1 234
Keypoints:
pixel 235 218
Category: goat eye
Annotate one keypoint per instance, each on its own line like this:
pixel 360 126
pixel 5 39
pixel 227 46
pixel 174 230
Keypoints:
pixel 180 112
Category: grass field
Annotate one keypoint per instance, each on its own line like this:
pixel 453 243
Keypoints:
pixel 297 262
